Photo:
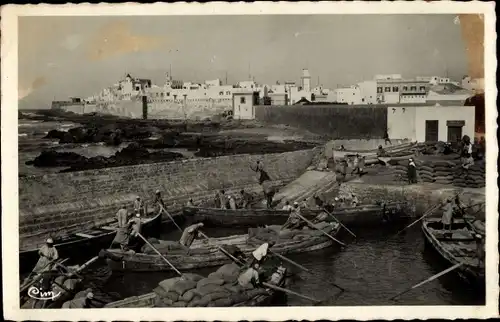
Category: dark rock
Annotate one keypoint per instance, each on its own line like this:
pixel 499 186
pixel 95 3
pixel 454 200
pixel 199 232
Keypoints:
pixel 57 159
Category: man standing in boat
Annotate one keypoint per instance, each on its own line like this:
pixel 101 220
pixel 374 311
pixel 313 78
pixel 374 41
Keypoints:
pixel 447 215
pixel 135 224
pixel 232 202
pixel 287 206
pixel 139 206
pixel 158 202
pixel 190 203
pixel 246 199
pixel 222 199
pixel 48 253
pixel 122 216
pixel 189 235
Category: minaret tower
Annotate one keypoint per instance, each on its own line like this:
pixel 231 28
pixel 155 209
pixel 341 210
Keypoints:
pixel 306 80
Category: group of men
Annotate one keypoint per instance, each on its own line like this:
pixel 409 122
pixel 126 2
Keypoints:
pixel 358 165
pixel 223 200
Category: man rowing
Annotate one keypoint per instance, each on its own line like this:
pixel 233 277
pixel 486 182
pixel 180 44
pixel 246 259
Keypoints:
pixel 189 235
pixel 158 201
pixel 293 221
pixel 48 253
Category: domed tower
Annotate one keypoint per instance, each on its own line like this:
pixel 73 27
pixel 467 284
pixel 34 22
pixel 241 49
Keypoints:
pixel 306 80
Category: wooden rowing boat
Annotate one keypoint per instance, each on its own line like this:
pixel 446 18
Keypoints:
pixel 461 248
pixel 148 300
pixel 86 242
pixel 360 215
pixel 205 253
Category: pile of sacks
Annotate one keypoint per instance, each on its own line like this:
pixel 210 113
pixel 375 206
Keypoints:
pixel 169 247
pixel 474 177
pixel 278 235
pixel 219 289
pixel 442 170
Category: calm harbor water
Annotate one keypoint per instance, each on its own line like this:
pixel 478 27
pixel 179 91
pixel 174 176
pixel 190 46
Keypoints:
pixel 371 268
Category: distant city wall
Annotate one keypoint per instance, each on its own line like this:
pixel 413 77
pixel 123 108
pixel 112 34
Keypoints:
pixel 58 202
pixel 334 121
pixel 157 109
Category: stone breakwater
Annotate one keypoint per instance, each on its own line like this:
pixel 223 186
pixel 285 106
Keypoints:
pixel 65 202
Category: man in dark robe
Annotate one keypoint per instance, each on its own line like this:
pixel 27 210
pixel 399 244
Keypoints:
pixel 412 172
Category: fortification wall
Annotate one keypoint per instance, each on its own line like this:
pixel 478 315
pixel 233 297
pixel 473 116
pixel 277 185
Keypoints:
pixel 157 109
pixel 55 202
pixel 335 121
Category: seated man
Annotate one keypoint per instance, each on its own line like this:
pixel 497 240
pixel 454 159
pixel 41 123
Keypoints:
pixel 294 221
pixel 189 235
pixel 250 277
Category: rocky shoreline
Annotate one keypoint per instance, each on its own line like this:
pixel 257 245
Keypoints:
pixel 201 137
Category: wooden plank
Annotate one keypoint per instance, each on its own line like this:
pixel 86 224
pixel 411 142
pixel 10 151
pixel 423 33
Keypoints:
pixel 108 228
pixel 84 235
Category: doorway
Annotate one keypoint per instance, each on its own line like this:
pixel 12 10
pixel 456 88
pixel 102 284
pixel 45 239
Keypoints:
pixel 431 130
pixel 455 130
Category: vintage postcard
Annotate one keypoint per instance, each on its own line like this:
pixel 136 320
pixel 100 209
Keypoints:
pixel 249 161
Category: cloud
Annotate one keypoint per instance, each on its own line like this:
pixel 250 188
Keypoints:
pixel 117 39
pixel 24 91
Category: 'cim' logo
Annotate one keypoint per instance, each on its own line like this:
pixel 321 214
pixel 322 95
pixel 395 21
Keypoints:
pixel 38 294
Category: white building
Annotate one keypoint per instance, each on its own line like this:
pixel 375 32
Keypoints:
pixel 350 95
pixel 244 105
pixel 430 122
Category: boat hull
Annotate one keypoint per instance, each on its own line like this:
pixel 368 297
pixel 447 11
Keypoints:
pixel 86 247
pixel 204 254
pixel 469 272
pixel 363 215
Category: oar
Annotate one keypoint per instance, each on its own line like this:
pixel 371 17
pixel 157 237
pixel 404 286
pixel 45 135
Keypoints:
pixel 171 218
pixel 427 213
pixel 277 288
pixel 328 235
pixel 163 257
pixel 225 252
pixel 341 224
pixel 428 280
pixel 36 278
pixel 301 267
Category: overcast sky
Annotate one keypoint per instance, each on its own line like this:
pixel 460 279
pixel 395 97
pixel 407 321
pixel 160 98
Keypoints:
pixel 77 56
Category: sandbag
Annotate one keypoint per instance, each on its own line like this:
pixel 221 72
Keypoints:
pixel 71 283
pixel 207 281
pixel 194 301
pixel 300 237
pixel 229 272
pixel 322 225
pixel 153 240
pixel 210 289
pixel 442 173
pixel 163 302
pixel 188 296
pixel 255 292
pixel 426 173
pixel 173 296
pixel 182 286
pixel 192 277
pixel 443 177
pixel 426 169
pixel 169 283
pixel 179 304
pixel 202 302
pixel 60 279
pixel 215 296
pixel 233 288
pixel 160 292
pixel 287 234
pixel 220 302
pixel 239 297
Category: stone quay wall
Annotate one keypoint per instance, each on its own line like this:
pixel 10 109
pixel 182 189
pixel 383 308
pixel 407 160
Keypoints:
pixel 69 201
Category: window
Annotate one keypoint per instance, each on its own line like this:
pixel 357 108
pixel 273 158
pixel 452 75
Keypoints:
pixel 168 94
pixel 395 89
pixel 387 89
pixel 242 100
pixel 422 88
pixel 221 93
pixel 137 88
pixel 405 88
pixel 413 88
pixel 228 93
pixel 379 89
